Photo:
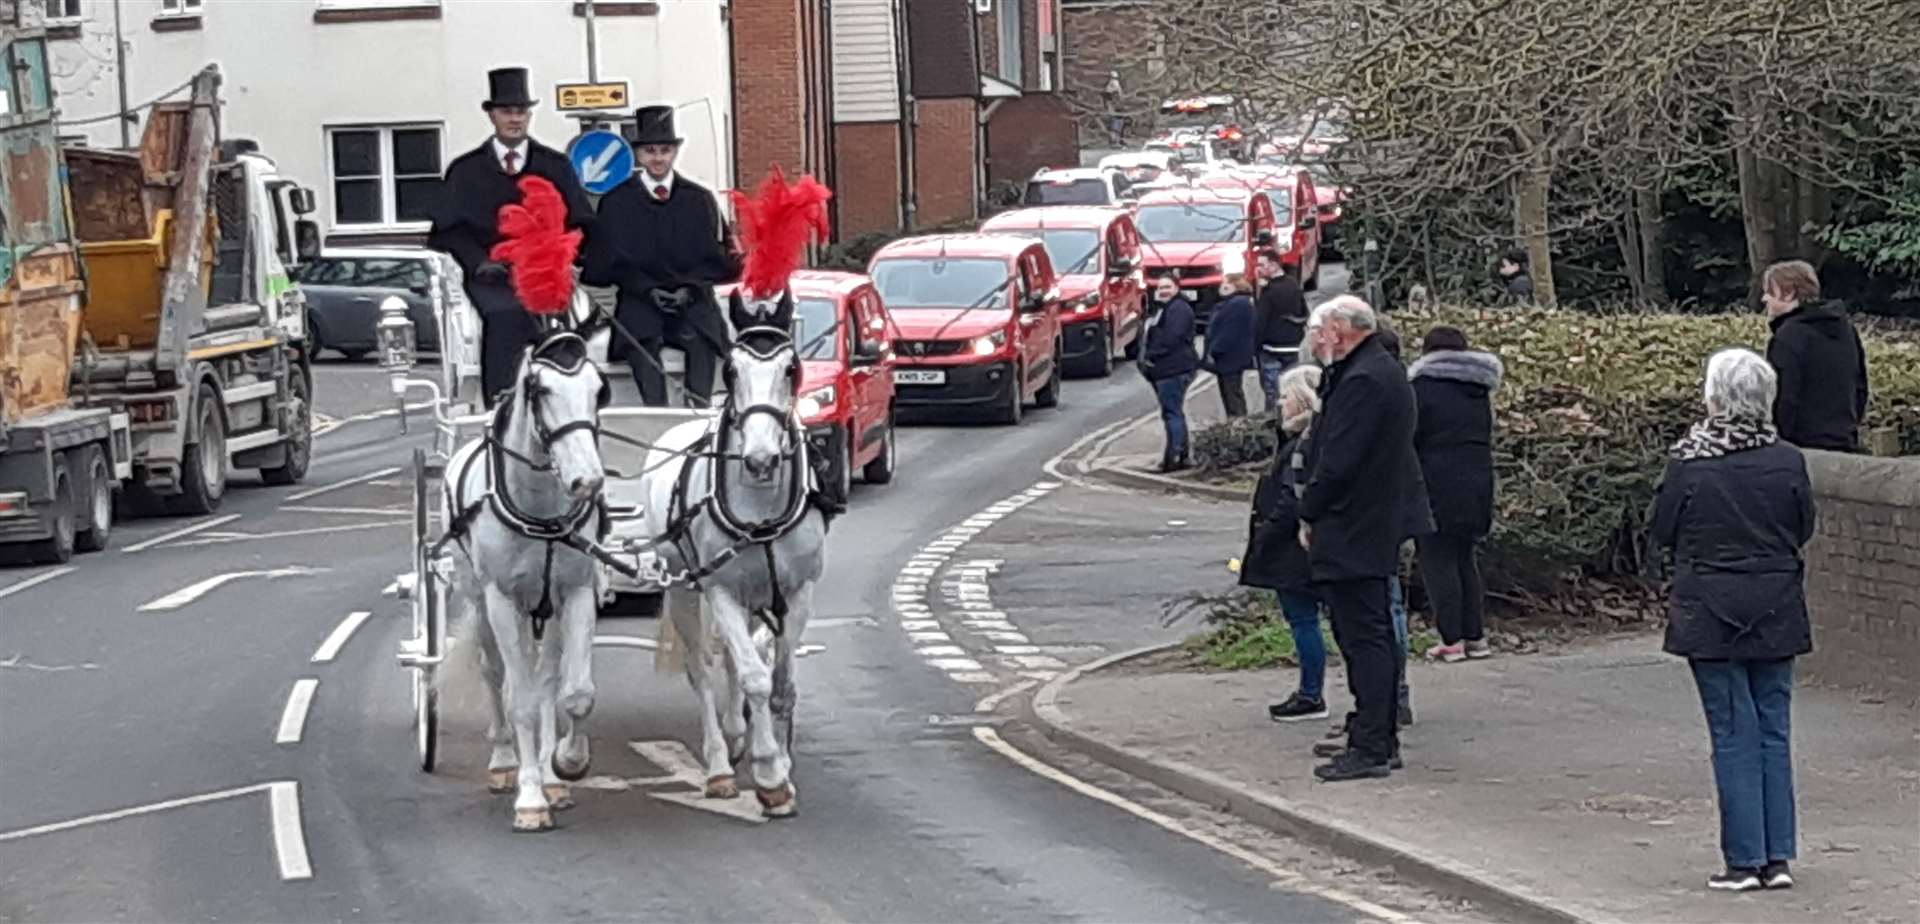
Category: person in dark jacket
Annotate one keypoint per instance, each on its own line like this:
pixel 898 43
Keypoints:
pixel 662 241
pixel 1275 559
pixel 1819 358
pixel 1354 516
pixel 1232 346
pixel 1516 285
pixel 1453 390
pixel 466 222
pixel 1280 320
pixel 1736 507
pixel 1168 361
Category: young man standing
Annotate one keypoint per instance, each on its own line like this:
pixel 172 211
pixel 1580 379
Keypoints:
pixel 1818 356
pixel 1280 321
pixel 466 220
pixel 662 241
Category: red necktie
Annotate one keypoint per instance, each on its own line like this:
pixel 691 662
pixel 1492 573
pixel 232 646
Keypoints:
pixel 660 193
pixel 512 161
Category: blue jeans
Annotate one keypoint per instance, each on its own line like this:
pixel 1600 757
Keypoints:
pixel 1172 393
pixel 1398 603
pixel 1270 369
pixel 1303 617
pixel 1749 706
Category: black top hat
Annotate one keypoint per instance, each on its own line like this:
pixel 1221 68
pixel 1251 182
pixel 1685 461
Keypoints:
pixel 653 125
pixel 507 86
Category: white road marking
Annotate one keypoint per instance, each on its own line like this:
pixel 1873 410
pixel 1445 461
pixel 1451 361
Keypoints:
pixel 339 636
pixel 954 664
pixel 289 839
pixel 283 800
pixel 36 580
pixel 349 511
pixel 192 592
pixel 292 533
pixel 677 760
pixel 626 641
pixel 941 651
pixel 357 479
pixel 293 719
pixel 184 531
pixel 19 661
pixel 1282 876
pixel 807 650
pixel 839 622
pixel 993 702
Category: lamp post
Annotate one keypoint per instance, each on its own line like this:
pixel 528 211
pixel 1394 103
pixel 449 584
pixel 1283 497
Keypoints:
pixel 1370 264
pixel 396 337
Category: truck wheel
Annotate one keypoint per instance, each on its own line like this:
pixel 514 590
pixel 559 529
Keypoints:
pixel 57 549
pixel 203 468
pixel 880 470
pixel 99 507
pixel 299 435
pixel 1049 394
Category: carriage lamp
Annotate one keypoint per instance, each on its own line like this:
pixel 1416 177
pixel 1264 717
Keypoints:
pixel 396 337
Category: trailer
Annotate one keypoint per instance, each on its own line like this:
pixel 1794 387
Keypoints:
pixel 151 337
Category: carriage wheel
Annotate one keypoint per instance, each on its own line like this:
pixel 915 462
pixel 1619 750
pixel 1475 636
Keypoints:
pixel 428 622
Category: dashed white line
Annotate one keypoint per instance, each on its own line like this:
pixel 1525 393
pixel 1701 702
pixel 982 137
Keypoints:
pixel 293 719
pixel 289 838
pixel 357 479
pixel 339 636
pixel 1291 880
pixel 183 531
pixel 36 580
pixel 195 591
pixel 349 511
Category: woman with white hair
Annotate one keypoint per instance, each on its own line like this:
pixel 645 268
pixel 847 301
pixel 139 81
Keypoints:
pixel 1736 507
pixel 1275 559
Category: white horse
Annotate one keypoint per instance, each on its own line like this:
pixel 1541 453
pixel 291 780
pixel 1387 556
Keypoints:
pixel 727 501
pixel 525 502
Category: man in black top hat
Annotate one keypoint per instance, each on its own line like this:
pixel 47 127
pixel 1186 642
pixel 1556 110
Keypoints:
pixel 466 220
pixel 660 237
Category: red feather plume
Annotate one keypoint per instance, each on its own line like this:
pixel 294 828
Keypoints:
pixel 774 226
pixel 536 243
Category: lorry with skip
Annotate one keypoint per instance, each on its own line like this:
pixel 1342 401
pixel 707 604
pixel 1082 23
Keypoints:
pixel 151 339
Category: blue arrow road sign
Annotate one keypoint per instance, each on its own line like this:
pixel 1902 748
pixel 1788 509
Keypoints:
pixel 602 159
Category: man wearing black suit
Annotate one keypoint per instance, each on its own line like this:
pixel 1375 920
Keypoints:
pixel 466 220
pixel 660 238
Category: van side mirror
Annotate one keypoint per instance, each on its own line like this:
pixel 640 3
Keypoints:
pixel 866 353
pixel 1033 303
pixel 303 203
pixel 1263 238
pixel 1308 220
pixel 1120 266
pixel 306 239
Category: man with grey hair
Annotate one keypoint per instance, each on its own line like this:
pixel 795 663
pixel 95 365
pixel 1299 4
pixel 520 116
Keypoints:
pixel 1353 520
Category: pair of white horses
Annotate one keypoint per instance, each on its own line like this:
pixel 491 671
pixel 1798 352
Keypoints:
pixel 527 582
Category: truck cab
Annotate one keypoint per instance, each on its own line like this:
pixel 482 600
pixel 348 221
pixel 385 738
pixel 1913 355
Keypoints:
pixel 1096 252
pixel 1189 233
pixel 977 318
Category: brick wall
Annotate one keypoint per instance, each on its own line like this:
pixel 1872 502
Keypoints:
pixel 1863 574
pixel 1026 134
pixel 945 156
pixel 1096 38
pixel 780 88
pixel 867 177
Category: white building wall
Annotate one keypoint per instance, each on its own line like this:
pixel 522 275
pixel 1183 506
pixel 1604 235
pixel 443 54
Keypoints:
pixel 288 78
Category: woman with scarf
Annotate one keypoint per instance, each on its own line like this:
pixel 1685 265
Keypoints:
pixel 1736 507
pixel 1275 560
pixel 1453 388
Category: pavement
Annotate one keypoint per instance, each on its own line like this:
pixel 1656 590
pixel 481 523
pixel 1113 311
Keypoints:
pixel 1569 785
pixel 206 722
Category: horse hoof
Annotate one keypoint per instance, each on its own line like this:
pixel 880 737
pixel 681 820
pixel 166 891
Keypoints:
pixel 722 787
pixel 502 782
pixel 572 773
pixel 778 803
pixel 559 795
pixel 526 821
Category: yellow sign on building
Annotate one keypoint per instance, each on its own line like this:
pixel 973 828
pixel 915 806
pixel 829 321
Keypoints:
pixel 591 95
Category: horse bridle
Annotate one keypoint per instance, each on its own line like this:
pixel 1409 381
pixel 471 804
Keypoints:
pixel 781 342
pixel 533 390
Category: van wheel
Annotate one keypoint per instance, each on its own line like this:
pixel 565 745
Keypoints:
pixel 1049 394
pixel 99 507
pixel 299 434
pixel 880 470
pixel 1139 333
pixel 1015 405
pixel 203 468
pixel 1104 366
pixel 57 549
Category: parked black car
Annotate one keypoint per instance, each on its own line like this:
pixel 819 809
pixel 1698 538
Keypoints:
pixel 344 289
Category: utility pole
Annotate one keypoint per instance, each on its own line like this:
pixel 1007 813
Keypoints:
pixel 120 72
pixel 593 45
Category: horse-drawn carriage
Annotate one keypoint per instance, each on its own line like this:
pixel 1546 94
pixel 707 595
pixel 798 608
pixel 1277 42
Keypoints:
pixel 558 503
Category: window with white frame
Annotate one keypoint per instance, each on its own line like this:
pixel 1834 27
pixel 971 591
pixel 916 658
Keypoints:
pixel 62 10
pixel 383 174
pixel 179 7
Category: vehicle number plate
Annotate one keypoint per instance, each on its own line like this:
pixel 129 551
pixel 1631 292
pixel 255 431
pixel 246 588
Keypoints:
pixel 919 377
pixel 1189 294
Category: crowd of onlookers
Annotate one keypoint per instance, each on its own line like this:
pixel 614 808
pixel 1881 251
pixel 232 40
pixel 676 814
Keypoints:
pixel 1376 456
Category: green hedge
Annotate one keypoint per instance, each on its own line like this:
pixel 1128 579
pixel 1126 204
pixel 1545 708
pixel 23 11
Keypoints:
pixel 1589 407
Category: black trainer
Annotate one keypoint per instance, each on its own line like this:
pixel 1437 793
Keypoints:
pixel 1395 764
pixel 1352 766
pixel 1776 875
pixel 1297 708
pixel 1735 879
pixel 1331 747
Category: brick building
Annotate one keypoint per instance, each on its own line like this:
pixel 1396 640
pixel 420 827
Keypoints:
pixel 1107 38
pixel 782 87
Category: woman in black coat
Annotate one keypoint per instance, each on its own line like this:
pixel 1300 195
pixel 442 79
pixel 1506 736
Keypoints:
pixel 1453 388
pixel 1736 508
pixel 1275 559
pixel 1168 361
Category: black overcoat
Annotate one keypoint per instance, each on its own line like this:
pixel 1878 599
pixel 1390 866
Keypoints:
pixel 642 244
pixel 1454 437
pixel 1364 493
pixel 466 217
pixel 1274 559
